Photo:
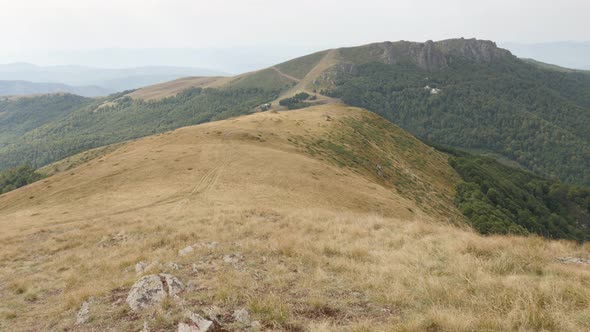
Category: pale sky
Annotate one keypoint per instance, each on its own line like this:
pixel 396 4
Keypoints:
pixel 44 26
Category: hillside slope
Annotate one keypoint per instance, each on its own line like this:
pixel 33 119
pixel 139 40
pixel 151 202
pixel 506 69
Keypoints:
pixel 21 115
pixel 324 219
pixel 264 169
pixel 464 93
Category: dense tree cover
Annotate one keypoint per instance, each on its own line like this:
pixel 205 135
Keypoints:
pixel 21 115
pixel 539 118
pixel 499 199
pixel 295 102
pixel 17 177
pixel 126 118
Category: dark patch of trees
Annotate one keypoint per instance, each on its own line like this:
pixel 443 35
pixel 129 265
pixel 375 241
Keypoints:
pixel 17 177
pixel 498 199
pixel 296 101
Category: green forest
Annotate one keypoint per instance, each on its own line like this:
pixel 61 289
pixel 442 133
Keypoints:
pixel 538 118
pixel 21 115
pixel 498 199
pixel 92 125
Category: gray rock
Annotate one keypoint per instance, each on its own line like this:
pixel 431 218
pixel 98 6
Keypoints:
pixel 255 326
pixel 241 316
pixel 140 267
pixel 173 284
pixel 173 266
pixel 573 260
pixel 214 313
pixel 212 245
pixel 182 327
pixel 84 313
pixel 233 258
pixel 185 251
pixel 152 289
pixel 197 324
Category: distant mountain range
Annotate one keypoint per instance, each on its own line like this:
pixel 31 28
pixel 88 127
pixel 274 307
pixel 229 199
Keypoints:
pixel 19 88
pixel 25 78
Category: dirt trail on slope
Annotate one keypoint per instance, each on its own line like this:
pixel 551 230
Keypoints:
pixel 285 75
pixel 331 58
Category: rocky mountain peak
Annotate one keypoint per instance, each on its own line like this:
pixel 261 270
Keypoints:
pixel 433 55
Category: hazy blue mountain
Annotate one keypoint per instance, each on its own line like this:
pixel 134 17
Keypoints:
pixel 109 80
pixel 233 60
pixel 17 88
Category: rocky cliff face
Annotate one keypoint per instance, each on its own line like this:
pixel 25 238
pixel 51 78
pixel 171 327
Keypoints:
pixel 428 55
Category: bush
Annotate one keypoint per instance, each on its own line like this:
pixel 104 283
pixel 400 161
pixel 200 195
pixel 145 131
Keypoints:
pixel 17 177
pixel 296 101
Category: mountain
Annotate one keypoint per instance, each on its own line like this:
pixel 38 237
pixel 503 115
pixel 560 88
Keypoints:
pixel 505 107
pixel 15 88
pixel 326 218
pixel 463 93
pixel 109 79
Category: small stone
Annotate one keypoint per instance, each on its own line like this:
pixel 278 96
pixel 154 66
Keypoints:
pixel 255 325
pixel 214 313
pixel 196 324
pixel 182 327
pixel 233 258
pixel 83 314
pixel 195 268
pixel 241 316
pixel 152 289
pixel 173 266
pixel 140 267
pixel 573 260
pixel 186 251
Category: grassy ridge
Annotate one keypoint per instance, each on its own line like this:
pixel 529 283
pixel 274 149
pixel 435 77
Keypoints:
pixel 318 242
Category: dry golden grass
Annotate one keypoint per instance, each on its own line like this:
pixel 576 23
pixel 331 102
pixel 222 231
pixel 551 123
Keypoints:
pixel 77 160
pixel 169 89
pixel 323 247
